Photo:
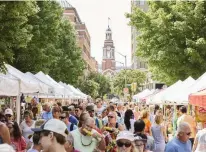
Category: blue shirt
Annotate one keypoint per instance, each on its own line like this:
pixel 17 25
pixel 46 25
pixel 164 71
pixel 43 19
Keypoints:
pixel 47 115
pixel 69 127
pixel 73 120
pixel 177 146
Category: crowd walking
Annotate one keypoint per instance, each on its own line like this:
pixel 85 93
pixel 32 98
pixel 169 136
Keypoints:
pixel 100 126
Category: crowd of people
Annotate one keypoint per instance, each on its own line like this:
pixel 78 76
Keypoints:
pixel 100 126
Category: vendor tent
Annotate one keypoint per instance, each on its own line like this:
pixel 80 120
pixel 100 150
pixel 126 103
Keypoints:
pixel 67 92
pixel 58 90
pixel 26 85
pixel 142 94
pixel 76 93
pixel 198 99
pixel 8 86
pixel 199 84
pixel 160 97
pixel 172 98
pixel 148 98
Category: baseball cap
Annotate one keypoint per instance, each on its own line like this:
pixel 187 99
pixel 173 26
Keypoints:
pixel 53 125
pixel 8 111
pixel 125 135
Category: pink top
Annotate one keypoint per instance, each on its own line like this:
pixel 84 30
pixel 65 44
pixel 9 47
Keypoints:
pixel 19 145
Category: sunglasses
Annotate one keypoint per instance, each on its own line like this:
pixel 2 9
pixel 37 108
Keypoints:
pixel 62 117
pixel 8 115
pixel 91 111
pixel 121 144
pixel 110 117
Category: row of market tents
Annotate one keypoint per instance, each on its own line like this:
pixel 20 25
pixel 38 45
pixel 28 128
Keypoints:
pixel 185 92
pixel 15 82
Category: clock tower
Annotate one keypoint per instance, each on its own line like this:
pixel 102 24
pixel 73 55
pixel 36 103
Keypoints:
pixel 108 59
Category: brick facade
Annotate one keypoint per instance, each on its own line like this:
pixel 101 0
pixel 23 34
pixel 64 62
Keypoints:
pixel 83 38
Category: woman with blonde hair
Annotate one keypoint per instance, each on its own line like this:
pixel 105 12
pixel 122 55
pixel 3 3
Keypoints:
pixel 27 124
pixel 144 117
pixel 159 134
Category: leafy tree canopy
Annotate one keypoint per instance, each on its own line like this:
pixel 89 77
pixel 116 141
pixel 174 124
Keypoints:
pixel 89 87
pixel 15 32
pixel 95 85
pixel 36 37
pixel 103 81
pixel 125 77
pixel 172 39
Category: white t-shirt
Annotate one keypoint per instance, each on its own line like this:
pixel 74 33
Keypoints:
pixel 6 148
pixel 26 130
pixel 99 110
pixel 201 138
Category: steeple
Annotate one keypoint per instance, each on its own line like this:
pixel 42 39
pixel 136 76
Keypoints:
pixel 108 62
pixel 108 32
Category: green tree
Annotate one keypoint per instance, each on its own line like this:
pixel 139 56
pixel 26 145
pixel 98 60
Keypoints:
pixel 89 87
pixel 125 77
pixel 69 65
pixel 41 51
pixel 173 38
pixel 15 32
pixel 104 83
pixel 52 48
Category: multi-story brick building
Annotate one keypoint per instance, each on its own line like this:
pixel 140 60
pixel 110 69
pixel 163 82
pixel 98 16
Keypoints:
pixel 83 36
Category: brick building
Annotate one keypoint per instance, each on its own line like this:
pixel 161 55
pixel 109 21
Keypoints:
pixel 83 36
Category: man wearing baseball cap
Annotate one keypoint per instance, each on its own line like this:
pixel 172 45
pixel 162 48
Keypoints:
pixel 9 114
pixel 53 135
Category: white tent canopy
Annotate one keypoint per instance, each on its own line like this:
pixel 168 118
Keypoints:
pixel 8 86
pixel 199 84
pixel 50 88
pixel 142 94
pixel 58 90
pixel 160 97
pixel 76 92
pixel 67 92
pixel 174 97
pixel 26 85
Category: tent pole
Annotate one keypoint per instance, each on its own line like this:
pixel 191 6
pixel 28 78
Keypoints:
pixel 18 104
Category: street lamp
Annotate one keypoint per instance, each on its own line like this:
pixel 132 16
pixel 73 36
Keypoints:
pixel 125 58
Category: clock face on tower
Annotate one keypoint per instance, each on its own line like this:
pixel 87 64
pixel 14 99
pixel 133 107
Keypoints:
pixel 108 47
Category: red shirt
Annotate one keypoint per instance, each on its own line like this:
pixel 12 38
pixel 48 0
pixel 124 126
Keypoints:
pixel 19 145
